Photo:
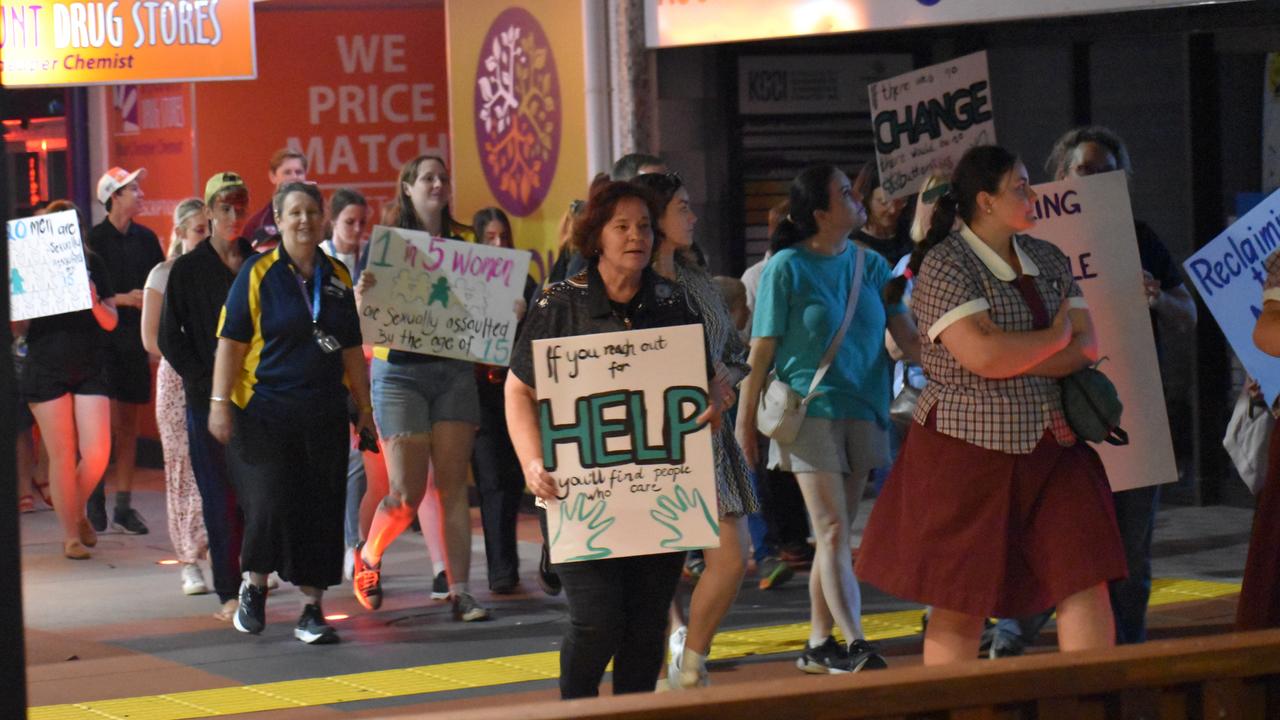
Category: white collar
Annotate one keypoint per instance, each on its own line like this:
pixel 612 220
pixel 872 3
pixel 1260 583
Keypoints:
pixel 994 262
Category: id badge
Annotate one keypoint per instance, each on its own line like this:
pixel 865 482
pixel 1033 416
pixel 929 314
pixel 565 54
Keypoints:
pixel 327 342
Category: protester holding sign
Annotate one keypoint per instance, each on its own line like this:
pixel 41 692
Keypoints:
pixel 617 606
pixel 289 340
pixel 64 381
pixel 816 277
pixel 427 411
pixel 1022 519
pixel 735 498
pixel 882 232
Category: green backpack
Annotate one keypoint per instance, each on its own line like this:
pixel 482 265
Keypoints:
pixel 1093 407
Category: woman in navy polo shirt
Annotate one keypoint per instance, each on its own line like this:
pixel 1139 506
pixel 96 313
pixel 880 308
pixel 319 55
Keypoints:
pixel 289 335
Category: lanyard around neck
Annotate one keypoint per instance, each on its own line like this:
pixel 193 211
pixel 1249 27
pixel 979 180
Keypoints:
pixel 313 304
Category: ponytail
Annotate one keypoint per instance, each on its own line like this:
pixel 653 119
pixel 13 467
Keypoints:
pixel 808 193
pixel 940 224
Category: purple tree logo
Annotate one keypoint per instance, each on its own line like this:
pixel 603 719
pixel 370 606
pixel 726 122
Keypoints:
pixel 517 111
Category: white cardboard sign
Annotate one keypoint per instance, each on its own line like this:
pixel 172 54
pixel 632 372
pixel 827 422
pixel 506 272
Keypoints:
pixel 924 120
pixel 1228 273
pixel 442 297
pixel 1090 219
pixel 47 270
pixel 635 475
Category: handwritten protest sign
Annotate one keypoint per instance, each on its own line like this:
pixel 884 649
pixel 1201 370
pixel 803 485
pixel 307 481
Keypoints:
pixel 1091 221
pixel 47 271
pixel 924 120
pixel 1229 275
pixel 617 414
pixel 442 297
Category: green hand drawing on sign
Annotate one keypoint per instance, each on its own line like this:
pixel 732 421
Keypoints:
pixel 676 506
pixel 440 292
pixel 576 512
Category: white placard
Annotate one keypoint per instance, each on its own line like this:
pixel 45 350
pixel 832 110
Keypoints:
pixel 635 474
pixel 811 84
pixel 47 271
pixel 924 120
pixel 1228 273
pixel 1090 219
pixel 442 297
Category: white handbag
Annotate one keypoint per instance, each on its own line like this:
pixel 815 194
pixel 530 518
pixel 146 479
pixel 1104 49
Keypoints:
pixel 781 410
pixel 1248 432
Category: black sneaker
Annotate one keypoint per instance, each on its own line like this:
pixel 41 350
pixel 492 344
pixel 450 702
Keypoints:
pixel 366 580
pixel 96 509
pixel 1004 644
pixel 252 615
pixel 865 656
pixel 312 628
pixel 129 522
pixel 828 658
pixel 440 586
pixel 466 609
pixel 548 580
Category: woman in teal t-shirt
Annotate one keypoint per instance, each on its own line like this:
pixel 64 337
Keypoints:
pixel 800 304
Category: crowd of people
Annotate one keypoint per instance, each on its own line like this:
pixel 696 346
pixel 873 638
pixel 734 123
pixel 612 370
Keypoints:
pixel 294 451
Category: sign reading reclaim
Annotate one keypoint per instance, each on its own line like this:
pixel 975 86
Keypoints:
pixel 925 120
pixel 634 472
pixel 1229 275
pixel 1090 220
pixel 47 271
pixel 442 297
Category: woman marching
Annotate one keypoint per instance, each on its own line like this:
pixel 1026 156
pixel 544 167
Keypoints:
pixel 1004 319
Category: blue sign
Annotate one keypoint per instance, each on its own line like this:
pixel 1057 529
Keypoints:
pixel 1228 272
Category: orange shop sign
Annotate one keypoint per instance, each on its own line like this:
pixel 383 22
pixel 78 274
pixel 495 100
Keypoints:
pixel 71 42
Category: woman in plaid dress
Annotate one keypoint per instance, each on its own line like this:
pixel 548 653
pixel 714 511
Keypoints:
pixel 1021 519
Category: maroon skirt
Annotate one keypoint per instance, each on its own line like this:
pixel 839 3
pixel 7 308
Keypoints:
pixel 988 533
pixel 1259 605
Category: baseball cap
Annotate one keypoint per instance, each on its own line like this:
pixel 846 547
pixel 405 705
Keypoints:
pixel 114 179
pixel 222 181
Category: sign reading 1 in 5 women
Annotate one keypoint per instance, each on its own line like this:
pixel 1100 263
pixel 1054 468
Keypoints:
pixel 442 297
pixel 634 471
pixel 73 42
pixel 47 271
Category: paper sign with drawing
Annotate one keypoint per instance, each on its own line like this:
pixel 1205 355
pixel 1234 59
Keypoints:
pixel 442 297
pixel 47 271
pixel 924 120
pixel 635 473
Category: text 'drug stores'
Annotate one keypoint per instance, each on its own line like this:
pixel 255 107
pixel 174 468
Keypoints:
pixel 634 472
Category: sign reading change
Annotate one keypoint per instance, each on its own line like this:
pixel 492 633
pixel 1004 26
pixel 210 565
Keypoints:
pixel 47 271
pixel 924 120
pixel 634 473
pixel 442 297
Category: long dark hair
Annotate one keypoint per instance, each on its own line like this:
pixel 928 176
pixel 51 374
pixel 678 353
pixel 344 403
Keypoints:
pixel 405 216
pixel 980 169
pixel 663 187
pixel 810 191
pixel 488 215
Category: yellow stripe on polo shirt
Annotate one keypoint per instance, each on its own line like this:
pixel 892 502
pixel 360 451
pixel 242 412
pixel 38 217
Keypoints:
pixel 242 391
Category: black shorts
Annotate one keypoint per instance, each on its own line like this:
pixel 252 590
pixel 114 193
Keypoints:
pixel 42 382
pixel 130 374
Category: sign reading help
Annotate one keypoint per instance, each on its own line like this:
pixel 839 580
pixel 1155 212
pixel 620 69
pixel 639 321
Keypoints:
pixel 1090 220
pixel 924 120
pixel 47 271
pixel 634 472
pixel 1229 274
pixel 442 297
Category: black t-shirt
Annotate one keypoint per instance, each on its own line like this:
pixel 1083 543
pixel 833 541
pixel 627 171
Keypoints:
pixel 891 249
pixel 73 339
pixel 1155 259
pixel 129 258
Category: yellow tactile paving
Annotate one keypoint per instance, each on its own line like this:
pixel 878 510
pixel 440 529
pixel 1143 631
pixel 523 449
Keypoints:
pixel 490 672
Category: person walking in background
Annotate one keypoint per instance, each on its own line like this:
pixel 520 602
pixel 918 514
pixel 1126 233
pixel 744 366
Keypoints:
pixel 193 298
pixel 286 165
pixel 128 251
pixel 182 495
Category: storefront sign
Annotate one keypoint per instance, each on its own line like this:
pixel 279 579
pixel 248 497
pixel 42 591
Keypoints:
pixel 818 84
pixel 152 127
pixel 47 271
pixel 924 120
pixel 634 472
pixel 670 23
pixel 1090 219
pixel 442 297
pixel 74 42
pixel 1228 272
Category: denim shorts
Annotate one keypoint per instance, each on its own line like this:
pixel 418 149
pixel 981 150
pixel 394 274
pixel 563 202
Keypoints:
pixel 848 447
pixel 409 398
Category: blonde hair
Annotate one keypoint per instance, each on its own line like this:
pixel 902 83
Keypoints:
pixel 183 212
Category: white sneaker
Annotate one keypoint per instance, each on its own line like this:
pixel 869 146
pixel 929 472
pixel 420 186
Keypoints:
pixel 675 658
pixel 193 580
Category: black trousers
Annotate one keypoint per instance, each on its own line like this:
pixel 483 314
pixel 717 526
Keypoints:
pixel 617 610
pixel 222 518
pixel 291 479
pixel 500 485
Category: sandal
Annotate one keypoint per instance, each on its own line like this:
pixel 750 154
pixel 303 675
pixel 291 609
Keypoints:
pixel 26 504
pixel 228 610
pixel 43 489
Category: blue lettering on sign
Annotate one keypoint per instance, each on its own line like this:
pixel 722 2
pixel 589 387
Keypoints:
pixel 928 3
pixel 1240 256
pixel 1057 205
